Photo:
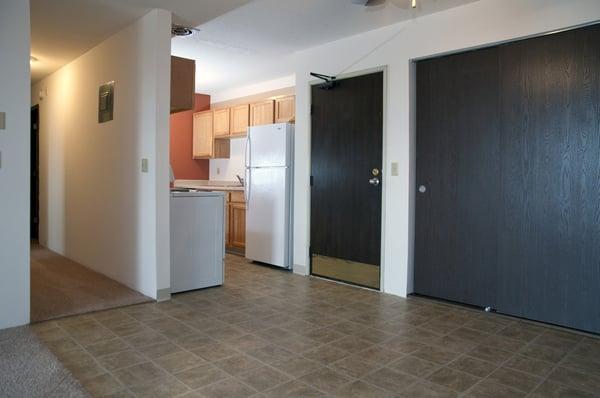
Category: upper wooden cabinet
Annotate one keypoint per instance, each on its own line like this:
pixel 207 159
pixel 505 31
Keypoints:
pixel 204 144
pixel 240 118
pixel 221 122
pixel 203 141
pixel 262 112
pixel 285 109
pixel 183 81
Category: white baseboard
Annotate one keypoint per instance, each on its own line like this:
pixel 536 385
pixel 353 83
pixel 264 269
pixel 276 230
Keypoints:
pixel 300 269
pixel 163 294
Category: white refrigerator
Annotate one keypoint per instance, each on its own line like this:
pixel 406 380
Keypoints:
pixel 268 191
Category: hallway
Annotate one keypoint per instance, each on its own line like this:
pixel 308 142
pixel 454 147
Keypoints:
pixel 61 287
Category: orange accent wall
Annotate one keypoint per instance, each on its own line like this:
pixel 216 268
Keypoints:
pixel 184 167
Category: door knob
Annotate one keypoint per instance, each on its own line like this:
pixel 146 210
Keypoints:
pixel 374 181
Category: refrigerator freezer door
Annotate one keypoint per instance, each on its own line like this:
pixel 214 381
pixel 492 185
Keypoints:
pixel 269 145
pixel 267 216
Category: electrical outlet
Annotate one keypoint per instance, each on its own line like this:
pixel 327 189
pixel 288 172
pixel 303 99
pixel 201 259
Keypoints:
pixel 144 165
pixel 2 120
pixel 395 169
pixel 218 170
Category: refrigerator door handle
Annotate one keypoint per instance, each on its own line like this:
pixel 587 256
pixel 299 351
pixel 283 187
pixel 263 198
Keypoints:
pixel 248 151
pixel 247 186
pixel 248 175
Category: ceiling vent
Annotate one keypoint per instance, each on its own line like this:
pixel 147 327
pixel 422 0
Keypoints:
pixel 180 30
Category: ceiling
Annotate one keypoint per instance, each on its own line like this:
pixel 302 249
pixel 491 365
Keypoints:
pixel 256 41
pixel 62 30
pixel 240 41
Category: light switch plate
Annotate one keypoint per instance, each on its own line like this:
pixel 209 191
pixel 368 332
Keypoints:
pixel 395 169
pixel 144 165
pixel 2 120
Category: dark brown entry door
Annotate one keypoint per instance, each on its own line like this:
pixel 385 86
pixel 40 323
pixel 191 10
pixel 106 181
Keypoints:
pixel 346 164
pixel 508 158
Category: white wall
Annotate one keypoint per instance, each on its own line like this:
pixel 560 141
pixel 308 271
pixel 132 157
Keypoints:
pixel 254 88
pixel 226 169
pixel 96 206
pixel 14 164
pixel 477 24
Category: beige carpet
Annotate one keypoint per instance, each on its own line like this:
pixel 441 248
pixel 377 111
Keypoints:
pixel 62 287
pixel 29 369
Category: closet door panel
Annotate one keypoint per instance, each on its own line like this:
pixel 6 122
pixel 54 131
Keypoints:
pixel 457 177
pixel 549 237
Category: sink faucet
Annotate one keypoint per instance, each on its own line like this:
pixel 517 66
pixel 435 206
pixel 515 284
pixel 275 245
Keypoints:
pixel 240 179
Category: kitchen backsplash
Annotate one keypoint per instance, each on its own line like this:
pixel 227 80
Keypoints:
pixel 226 169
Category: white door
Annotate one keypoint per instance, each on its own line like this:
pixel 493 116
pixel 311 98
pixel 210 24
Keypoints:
pixel 267 216
pixel 268 145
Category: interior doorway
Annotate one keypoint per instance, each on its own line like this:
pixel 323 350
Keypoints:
pixel 346 176
pixel 35 180
pixel 59 286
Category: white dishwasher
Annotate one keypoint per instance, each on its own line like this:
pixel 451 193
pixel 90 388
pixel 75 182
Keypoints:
pixel 197 240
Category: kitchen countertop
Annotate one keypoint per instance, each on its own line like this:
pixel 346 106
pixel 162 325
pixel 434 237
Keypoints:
pixel 207 194
pixel 208 185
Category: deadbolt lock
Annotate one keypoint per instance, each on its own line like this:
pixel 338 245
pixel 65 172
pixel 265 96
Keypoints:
pixel 375 171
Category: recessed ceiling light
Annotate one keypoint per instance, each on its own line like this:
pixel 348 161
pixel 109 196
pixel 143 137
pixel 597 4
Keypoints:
pixel 32 59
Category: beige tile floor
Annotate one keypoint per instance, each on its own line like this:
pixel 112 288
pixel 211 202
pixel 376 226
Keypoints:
pixel 269 333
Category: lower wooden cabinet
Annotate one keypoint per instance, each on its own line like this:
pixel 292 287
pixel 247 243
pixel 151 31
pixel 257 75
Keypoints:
pixel 237 225
pixel 235 221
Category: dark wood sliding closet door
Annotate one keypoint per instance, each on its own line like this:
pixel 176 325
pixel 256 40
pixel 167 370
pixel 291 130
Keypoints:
pixel 508 151
pixel 457 170
pixel 549 242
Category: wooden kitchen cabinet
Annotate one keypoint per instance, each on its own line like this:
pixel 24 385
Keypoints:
pixel 236 221
pixel 239 120
pixel 221 149
pixel 285 109
pixel 203 142
pixel 221 122
pixel 183 77
pixel 237 225
pixel 262 112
